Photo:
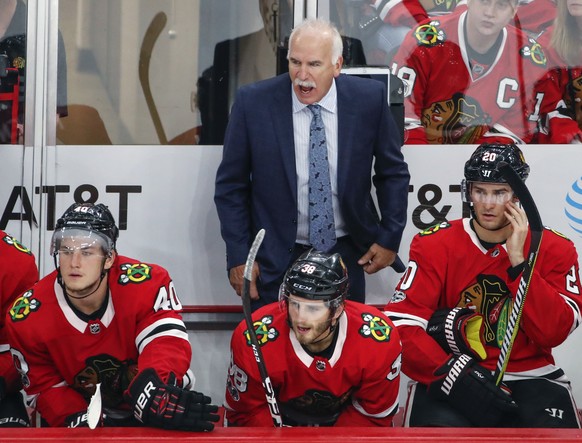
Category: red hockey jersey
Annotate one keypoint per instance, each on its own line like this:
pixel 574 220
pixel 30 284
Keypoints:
pixel 449 267
pixel 18 273
pixel 357 386
pixel 562 123
pixel 61 357
pixel 533 15
pixel 450 99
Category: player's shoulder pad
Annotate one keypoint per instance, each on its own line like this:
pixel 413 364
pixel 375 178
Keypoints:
pixel 429 33
pixel 266 328
pixel 129 271
pixel 557 233
pixel 534 52
pixel 434 229
pixel 374 325
pixel 13 243
pixel 23 306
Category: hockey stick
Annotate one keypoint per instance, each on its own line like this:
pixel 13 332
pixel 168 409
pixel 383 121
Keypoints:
pixel 536 228
pixel 246 301
pixel 94 409
pixel 145 54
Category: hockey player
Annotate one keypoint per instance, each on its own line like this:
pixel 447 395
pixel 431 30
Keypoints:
pixel 18 272
pixel 332 362
pixel 106 319
pixel 452 305
pixel 470 78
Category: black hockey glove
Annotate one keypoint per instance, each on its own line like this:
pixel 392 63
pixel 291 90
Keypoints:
pixel 169 407
pixel 78 420
pixel 459 331
pixel 2 388
pixel 471 390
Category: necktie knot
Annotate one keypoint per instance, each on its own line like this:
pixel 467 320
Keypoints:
pixel 315 109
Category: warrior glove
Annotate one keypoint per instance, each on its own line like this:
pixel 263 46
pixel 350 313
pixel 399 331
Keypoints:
pixel 459 331
pixel 472 391
pixel 169 407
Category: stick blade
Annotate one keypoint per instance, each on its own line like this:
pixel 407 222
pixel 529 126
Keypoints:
pixel 94 409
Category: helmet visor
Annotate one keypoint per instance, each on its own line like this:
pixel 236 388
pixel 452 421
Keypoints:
pixel 66 241
pixel 307 310
pixel 489 193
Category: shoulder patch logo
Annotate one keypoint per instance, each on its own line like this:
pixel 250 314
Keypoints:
pixel 23 306
pixel 535 53
pixel 13 242
pixel 375 328
pixel 429 34
pixel 263 330
pixel 135 273
pixel 434 229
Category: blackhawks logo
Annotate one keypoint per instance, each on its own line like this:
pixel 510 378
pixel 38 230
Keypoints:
pixel 23 306
pixel 13 242
pixel 535 53
pixel 429 34
pixel 263 330
pixel 434 228
pixel 375 327
pixel 135 273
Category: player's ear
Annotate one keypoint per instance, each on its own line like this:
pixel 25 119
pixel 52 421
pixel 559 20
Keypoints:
pixel 110 259
pixel 338 312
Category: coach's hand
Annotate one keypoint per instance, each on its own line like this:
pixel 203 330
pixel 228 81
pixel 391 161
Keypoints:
pixel 236 278
pixel 471 390
pixel 160 405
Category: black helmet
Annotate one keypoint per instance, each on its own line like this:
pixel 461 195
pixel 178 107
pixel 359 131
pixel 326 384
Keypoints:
pixel 317 276
pixel 87 217
pixel 482 166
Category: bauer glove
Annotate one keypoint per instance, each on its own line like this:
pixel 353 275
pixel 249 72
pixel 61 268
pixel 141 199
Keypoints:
pixel 160 405
pixel 459 331
pixel 472 391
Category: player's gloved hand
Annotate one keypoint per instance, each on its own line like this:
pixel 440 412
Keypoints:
pixel 77 420
pixel 169 407
pixel 459 331
pixel 471 390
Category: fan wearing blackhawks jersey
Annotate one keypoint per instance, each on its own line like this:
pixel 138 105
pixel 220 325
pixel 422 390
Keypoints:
pixel 102 319
pixel 331 361
pixel 452 305
pixel 469 78
pixel 563 124
pixel 18 273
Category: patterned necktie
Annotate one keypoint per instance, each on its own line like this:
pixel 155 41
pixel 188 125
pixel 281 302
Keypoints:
pixel 321 223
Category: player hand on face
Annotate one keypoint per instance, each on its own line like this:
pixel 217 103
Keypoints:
pixel 516 241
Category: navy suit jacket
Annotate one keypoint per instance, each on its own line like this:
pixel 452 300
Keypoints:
pixel 256 182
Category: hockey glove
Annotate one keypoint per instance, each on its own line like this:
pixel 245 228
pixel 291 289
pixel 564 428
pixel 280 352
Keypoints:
pixel 459 331
pixel 78 420
pixel 471 390
pixel 169 407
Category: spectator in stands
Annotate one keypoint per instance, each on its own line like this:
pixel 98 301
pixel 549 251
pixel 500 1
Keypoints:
pixel 396 17
pixel 453 305
pixel 108 323
pixel 331 361
pixel 563 84
pixel 470 77
pixel 18 273
pixel 13 15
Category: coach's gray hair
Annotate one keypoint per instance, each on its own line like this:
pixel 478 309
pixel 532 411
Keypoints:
pixel 322 26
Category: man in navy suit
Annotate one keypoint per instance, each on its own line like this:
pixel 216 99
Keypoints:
pixel 262 181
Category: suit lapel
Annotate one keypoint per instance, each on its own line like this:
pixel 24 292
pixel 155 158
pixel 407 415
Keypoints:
pixel 282 112
pixel 346 121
